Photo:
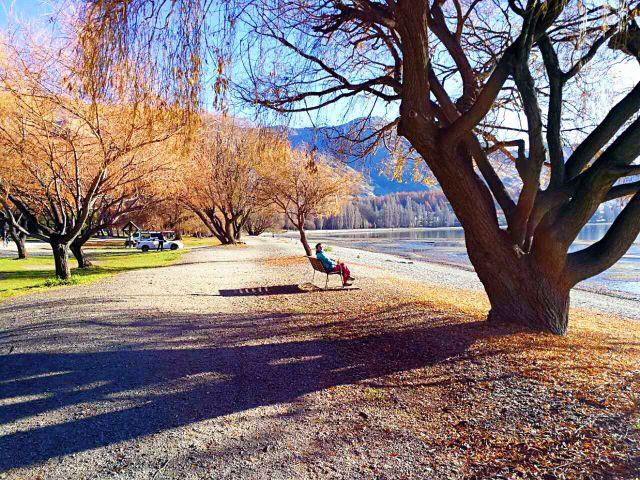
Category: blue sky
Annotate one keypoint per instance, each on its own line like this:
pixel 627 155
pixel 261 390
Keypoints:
pixel 22 10
pixel 25 11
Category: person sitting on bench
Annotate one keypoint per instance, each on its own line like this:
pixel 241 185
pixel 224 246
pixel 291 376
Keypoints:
pixel 331 266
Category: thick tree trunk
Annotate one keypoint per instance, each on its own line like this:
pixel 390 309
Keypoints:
pixel 528 289
pixel 61 259
pixel 535 304
pixel 219 228
pixel 228 238
pixel 305 243
pixel 224 237
pixel 19 239
pixel 78 253
pixel 522 291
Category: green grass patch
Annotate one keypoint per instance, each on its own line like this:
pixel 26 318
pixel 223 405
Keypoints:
pixel 190 242
pixel 58 282
pixel 18 277
pixel 374 394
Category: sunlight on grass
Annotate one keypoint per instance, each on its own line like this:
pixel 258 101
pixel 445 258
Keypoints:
pixel 58 282
pixel 190 242
pixel 18 277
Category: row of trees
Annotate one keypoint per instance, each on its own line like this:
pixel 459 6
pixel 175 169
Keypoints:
pixel 467 79
pixel 395 210
pixel 76 157
pixel 81 158
pixel 242 178
pixel 415 209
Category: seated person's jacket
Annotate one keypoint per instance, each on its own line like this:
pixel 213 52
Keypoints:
pixel 327 263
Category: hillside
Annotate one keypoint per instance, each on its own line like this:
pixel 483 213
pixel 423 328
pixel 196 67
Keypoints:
pixel 372 166
pixel 375 167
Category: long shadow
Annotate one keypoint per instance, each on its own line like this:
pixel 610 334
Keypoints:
pixel 54 304
pixel 278 290
pixel 264 291
pixel 141 392
pixel 149 329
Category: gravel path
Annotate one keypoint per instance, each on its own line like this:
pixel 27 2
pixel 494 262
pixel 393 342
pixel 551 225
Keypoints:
pixel 156 372
pixel 210 369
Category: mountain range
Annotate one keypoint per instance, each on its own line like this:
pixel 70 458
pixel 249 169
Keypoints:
pixel 377 165
pixel 374 166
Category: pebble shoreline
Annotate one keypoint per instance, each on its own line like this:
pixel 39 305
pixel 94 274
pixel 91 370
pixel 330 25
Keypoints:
pixel 602 300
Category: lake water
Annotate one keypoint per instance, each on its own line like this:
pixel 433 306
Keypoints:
pixel 446 245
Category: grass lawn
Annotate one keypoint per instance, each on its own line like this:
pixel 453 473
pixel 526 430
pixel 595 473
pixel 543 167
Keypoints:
pixel 18 277
pixel 200 242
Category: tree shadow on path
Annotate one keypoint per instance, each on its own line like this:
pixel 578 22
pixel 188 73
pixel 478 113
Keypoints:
pixel 138 392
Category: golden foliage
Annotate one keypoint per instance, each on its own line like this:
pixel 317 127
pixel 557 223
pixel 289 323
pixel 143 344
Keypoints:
pixel 303 184
pixel 69 149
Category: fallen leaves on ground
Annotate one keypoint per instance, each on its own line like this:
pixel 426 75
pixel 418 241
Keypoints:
pixel 484 400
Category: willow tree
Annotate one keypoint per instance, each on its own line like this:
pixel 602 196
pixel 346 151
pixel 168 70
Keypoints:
pixel 464 76
pixel 68 148
pixel 301 185
pixel 220 180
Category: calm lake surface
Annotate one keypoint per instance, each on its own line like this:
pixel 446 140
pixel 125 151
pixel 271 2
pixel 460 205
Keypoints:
pixel 446 245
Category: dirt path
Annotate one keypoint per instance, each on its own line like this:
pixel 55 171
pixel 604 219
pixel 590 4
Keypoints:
pixel 145 372
pixel 223 367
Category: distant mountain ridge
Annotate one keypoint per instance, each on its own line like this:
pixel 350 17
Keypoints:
pixel 371 166
pixel 376 165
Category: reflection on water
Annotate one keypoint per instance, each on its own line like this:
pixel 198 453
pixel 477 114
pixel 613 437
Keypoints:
pixel 447 245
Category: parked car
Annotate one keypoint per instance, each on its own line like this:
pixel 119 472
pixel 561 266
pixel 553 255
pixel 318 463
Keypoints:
pixel 147 244
pixel 148 236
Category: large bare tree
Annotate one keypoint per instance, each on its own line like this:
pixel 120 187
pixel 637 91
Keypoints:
pixel 454 69
pixel 464 75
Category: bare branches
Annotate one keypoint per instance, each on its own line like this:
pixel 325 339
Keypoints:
pixel 554 115
pixel 495 184
pixel 622 190
pixel 497 70
pixel 484 100
pixel 602 134
pixel 604 253
pixel 68 148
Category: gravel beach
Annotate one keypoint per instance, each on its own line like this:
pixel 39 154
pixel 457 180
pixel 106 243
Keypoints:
pixel 437 274
pixel 232 364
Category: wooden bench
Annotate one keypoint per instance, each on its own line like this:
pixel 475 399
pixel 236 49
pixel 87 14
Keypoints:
pixel 318 267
